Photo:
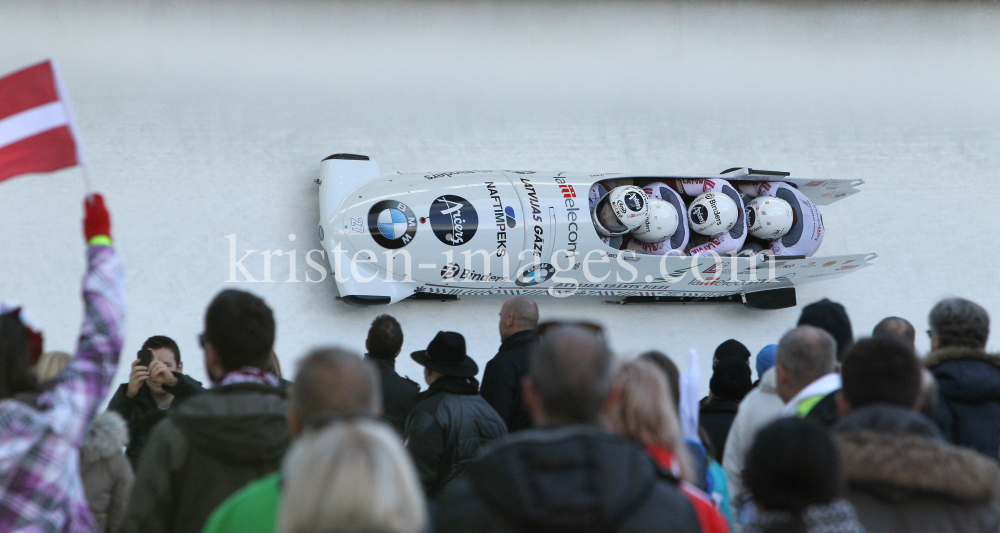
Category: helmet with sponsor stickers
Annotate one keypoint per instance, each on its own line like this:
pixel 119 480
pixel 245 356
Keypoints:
pixel 660 224
pixel 620 211
pixel 769 218
pixel 713 213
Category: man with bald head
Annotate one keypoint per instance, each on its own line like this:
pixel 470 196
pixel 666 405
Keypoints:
pixel 805 365
pixel 501 386
pixel 894 326
pixel 570 473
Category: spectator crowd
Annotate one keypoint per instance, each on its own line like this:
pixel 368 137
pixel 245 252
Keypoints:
pixel 837 434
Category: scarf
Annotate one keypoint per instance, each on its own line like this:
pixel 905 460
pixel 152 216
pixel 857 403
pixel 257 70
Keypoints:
pixel 837 516
pixel 249 374
pixel 664 458
pixel 454 385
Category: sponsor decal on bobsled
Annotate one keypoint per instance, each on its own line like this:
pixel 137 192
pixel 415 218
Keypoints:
pixel 453 220
pixel 535 274
pixel 392 224
pixel 453 271
pixel 503 216
pixel 454 173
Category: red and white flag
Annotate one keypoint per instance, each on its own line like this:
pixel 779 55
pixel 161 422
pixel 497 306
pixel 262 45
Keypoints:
pixel 36 124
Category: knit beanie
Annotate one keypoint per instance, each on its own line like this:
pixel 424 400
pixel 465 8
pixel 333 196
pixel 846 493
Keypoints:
pixel 731 349
pixel 765 359
pixel 832 317
pixel 731 379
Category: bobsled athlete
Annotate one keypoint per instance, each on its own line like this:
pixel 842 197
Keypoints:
pixel 717 212
pixel 598 191
pixel 779 213
pixel 664 232
pixel 620 211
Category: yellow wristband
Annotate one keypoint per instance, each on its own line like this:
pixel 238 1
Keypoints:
pixel 100 240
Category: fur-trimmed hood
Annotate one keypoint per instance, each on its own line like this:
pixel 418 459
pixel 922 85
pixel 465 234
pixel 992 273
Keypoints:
pixel 894 454
pixel 957 353
pixel 106 436
pixel 966 374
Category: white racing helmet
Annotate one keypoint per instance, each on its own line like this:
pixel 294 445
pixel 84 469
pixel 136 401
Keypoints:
pixel 620 211
pixel 713 213
pixel 660 224
pixel 769 218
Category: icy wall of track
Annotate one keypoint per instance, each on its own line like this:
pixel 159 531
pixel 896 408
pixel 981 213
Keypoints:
pixel 205 120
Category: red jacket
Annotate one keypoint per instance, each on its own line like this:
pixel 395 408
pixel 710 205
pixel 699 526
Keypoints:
pixel 709 518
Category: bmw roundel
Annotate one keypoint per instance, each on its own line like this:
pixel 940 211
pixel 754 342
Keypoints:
pixel 392 224
pixel 535 274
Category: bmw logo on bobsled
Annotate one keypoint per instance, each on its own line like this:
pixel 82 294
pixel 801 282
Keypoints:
pixel 391 236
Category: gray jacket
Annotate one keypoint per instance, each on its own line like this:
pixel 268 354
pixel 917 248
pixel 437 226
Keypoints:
pixel 207 448
pixel 106 472
pixel 904 477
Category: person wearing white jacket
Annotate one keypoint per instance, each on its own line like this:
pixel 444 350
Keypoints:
pixel 761 406
pixel 802 375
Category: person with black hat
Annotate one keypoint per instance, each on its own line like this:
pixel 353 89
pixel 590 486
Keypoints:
pixel 729 384
pixel 450 421
pixel 831 317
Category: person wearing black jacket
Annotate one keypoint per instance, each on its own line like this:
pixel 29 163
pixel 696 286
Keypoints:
pixel 569 474
pixel 146 399
pixel 451 422
pixel 399 394
pixel 968 377
pixel 502 378
pixel 730 383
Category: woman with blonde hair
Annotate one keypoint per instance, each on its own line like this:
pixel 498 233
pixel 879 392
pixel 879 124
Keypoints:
pixel 105 471
pixel 645 413
pixel 351 477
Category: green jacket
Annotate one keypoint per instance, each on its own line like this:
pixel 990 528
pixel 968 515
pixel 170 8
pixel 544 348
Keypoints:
pixel 208 448
pixel 253 509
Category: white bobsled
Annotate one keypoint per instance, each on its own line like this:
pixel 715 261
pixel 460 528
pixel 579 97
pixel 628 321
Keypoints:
pixel 440 235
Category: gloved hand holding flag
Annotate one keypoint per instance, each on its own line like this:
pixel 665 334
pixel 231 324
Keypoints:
pixel 96 221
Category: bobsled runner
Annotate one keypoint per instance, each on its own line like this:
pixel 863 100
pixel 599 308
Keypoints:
pixel 392 236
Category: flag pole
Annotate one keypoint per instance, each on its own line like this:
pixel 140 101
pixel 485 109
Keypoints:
pixel 86 180
pixel 71 123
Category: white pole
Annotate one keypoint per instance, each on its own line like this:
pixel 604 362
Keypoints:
pixel 86 180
